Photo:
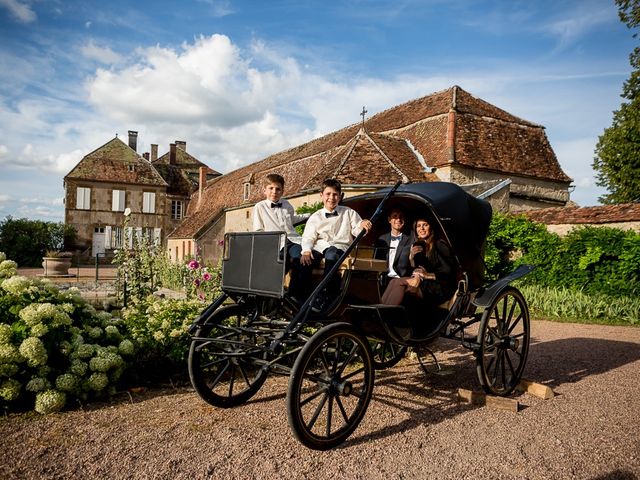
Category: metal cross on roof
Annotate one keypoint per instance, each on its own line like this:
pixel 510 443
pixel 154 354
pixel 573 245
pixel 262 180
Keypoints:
pixel 362 114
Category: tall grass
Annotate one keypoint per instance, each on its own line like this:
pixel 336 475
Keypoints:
pixel 564 304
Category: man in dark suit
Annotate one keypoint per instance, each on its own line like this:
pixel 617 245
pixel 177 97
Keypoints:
pixel 394 247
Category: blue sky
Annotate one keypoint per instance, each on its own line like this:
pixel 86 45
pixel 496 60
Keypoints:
pixel 239 80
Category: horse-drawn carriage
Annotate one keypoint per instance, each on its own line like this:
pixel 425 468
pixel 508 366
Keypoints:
pixel 254 328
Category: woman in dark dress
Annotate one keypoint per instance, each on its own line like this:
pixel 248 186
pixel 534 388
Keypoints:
pixel 434 276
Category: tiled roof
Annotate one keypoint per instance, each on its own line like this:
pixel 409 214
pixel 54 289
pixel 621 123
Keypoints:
pixel 179 183
pixel 184 160
pixel 486 137
pixel 624 212
pixel 115 161
pixel 183 174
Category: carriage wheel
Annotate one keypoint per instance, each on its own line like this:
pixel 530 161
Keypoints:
pixel 330 386
pixel 386 354
pixel 504 343
pixel 218 376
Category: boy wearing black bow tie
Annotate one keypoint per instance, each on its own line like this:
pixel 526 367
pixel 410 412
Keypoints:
pixel 328 233
pixel 275 214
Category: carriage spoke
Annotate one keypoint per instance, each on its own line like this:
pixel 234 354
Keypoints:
pixel 329 414
pixel 513 370
pixel 219 376
pixel 342 410
pixel 244 375
pixel 355 372
pixel 232 379
pixel 510 317
pixel 503 369
pixel 348 360
pixel 516 322
pixel 313 396
pixel 337 354
pixel 319 408
pixel 213 362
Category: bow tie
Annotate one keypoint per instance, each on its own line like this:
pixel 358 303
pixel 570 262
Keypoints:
pixel 332 214
pixel 396 238
pixel 276 205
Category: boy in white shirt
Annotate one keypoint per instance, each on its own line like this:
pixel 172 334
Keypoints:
pixel 275 214
pixel 327 234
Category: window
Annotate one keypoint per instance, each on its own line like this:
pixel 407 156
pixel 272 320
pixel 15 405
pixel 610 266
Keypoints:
pixel 176 209
pixel 83 198
pixel 116 237
pixel 117 201
pixel 131 168
pixel 247 191
pixel 147 232
pixel 148 202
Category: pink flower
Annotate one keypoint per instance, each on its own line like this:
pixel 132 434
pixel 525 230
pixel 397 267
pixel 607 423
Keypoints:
pixel 197 282
pixel 193 264
pixel 206 276
pixel 220 243
pixel 201 296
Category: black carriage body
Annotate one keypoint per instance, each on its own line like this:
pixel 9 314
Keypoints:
pixel 462 218
pixel 254 263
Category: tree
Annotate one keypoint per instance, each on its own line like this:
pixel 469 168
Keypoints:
pixel 617 160
pixel 25 241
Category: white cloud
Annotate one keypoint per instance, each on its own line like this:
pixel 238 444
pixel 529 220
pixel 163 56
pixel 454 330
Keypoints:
pixel 4 151
pixel 20 11
pixel 4 197
pixel 101 54
pixel 219 8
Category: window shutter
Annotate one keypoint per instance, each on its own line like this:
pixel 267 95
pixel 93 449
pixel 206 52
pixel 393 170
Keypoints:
pixel 130 236
pixel 87 198
pixel 152 202
pixel 157 235
pixel 107 237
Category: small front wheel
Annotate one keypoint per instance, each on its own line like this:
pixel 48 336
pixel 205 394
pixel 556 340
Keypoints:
pixel 225 358
pixel 330 386
pixel 504 343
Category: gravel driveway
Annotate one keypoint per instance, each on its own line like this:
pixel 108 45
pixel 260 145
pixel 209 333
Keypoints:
pixel 414 427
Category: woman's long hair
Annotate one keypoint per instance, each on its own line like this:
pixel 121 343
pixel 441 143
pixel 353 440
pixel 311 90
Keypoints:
pixel 430 241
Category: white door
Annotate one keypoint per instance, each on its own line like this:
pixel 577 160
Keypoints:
pixel 98 241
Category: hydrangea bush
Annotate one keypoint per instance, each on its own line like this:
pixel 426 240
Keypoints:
pixel 54 346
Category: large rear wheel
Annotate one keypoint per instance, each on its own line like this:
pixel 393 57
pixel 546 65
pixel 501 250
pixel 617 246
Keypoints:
pixel 504 343
pixel 330 386
pixel 224 356
pixel 386 354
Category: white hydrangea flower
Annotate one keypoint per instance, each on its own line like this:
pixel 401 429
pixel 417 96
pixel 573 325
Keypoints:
pixel 112 331
pixel 3 256
pixel 158 336
pixel 50 401
pixel 98 381
pixel 8 268
pixel 94 332
pixel 175 333
pixel 85 350
pixel 78 367
pixel 5 333
pixel 9 353
pixel 126 347
pixel 15 285
pixel 67 382
pixel 10 389
pixel 38 384
pixel 39 330
pixel 33 350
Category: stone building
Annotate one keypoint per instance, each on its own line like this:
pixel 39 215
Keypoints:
pixel 625 216
pixel 113 178
pixel 449 135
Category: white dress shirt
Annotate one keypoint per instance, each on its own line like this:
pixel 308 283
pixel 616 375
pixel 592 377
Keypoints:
pixel 277 219
pixel 321 232
pixel 393 248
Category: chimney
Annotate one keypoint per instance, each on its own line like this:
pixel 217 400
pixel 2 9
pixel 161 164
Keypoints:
pixel 451 135
pixel 133 140
pixel 154 152
pixel 182 145
pixel 146 156
pixel 172 154
pixel 202 183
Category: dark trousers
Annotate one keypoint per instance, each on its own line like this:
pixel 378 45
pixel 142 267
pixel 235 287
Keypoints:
pixel 331 256
pixel 294 252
